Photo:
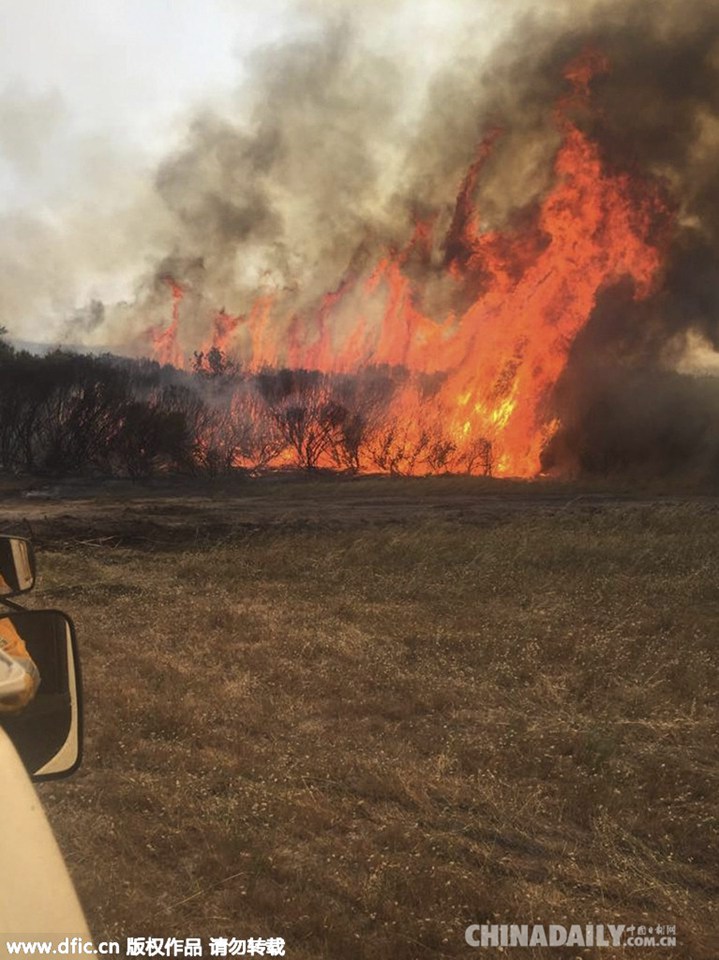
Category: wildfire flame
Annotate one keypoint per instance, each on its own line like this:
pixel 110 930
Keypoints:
pixel 166 348
pixel 529 291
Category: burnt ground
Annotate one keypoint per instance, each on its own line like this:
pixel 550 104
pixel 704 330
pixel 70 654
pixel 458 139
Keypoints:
pixel 179 512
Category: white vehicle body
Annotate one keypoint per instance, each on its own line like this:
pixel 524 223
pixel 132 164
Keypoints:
pixel 38 900
pixel 40 737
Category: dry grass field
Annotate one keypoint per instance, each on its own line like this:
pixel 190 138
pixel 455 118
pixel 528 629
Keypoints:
pixel 363 716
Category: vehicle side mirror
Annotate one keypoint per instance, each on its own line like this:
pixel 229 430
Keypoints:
pixel 47 734
pixel 17 566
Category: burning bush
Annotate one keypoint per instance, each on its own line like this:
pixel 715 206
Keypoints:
pixel 65 414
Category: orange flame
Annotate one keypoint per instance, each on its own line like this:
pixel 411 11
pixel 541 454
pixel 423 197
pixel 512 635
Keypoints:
pixel 164 340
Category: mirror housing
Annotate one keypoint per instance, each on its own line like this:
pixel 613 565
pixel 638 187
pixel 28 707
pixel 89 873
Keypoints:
pixel 47 733
pixel 17 566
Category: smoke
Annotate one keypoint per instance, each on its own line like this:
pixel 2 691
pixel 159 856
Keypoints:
pixel 284 199
pixel 56 238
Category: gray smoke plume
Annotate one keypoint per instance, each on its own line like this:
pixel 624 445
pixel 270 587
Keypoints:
pixel 287 196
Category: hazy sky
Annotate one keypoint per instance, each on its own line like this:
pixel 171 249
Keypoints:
pixel 115 71
pixel 129 71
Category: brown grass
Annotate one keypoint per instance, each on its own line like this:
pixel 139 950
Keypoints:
pixel 364 739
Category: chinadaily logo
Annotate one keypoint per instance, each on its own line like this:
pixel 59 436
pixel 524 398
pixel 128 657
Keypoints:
pixel 488 935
